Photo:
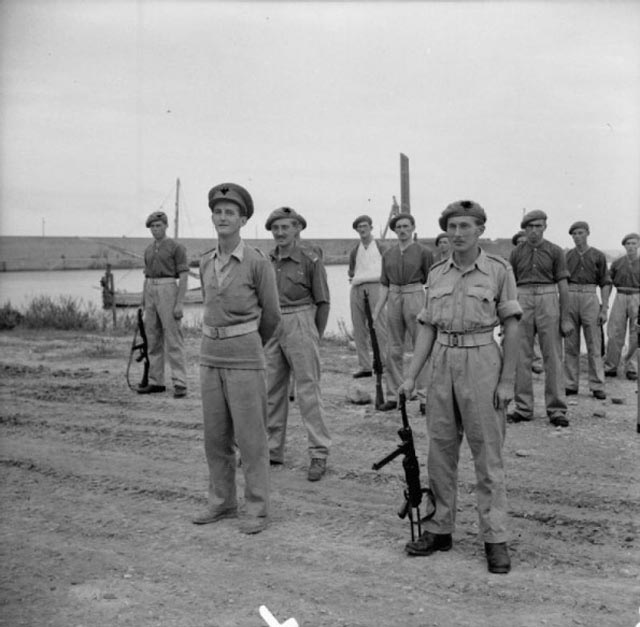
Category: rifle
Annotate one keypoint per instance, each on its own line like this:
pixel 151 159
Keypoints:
pixel 414 491
pixel 377 362
pixel 142 350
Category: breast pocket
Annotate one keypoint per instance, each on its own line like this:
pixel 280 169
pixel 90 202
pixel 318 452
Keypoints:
pixel 481 308
pixel 297 285
pixel 440 300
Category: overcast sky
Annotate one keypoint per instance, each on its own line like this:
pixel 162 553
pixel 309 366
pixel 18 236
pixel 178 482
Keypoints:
pixel 513 104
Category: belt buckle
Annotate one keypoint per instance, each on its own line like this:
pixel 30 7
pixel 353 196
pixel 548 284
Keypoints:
pixel 454 339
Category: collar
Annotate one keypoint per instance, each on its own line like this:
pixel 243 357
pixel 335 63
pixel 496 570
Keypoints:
pixel 481 263
pixel 237 252
pixel 295 254
pixel 539 245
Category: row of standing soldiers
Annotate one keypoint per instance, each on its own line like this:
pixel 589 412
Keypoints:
pixel 264 316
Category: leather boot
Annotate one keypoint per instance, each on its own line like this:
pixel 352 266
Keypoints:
pixel 498 559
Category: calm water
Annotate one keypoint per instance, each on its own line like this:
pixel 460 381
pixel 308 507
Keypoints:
pixel 21 287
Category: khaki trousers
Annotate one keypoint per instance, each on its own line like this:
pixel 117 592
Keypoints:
pixel 294 347
pixel 461 383
pixel 361 335
pixel 164 334
pixel 584 308
pixel 541 315
pixel 234 408
pixel 402 309
pixel 624 312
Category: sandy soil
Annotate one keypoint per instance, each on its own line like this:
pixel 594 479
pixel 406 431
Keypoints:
pixel 99 486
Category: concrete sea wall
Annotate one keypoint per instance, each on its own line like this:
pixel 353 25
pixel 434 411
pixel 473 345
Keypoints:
pixel 81 253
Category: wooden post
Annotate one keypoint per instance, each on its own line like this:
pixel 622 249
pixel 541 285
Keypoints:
pixel 405 201
pixel 108 293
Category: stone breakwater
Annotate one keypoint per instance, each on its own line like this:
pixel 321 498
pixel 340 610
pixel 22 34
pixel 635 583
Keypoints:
pixel 94 253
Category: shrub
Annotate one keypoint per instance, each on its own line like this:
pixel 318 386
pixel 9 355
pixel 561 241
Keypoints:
pixel 65 313
pixel 9 317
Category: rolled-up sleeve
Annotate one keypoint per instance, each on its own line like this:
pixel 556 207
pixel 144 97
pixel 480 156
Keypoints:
pixel 508 305
pixel 180 258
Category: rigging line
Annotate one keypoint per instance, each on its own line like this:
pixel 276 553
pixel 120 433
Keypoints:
pixel 160 207
pixel 184 210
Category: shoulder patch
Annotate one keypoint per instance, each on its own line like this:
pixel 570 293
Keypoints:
pixel 499 259
pixel 260 253
pixel 438 263
pixel 308 252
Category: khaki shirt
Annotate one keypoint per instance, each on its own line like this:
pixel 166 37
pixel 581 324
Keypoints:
pixel 301 277
pixel 165 259
pixel 476 299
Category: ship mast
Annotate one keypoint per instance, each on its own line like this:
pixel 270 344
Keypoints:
pixel 176 220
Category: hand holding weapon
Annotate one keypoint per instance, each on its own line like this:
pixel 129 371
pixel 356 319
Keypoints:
pixel 414 491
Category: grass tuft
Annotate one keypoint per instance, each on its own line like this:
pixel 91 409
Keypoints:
pixel 63 312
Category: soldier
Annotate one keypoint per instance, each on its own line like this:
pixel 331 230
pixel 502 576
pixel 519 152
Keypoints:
pixel 241 313
pixel 443 247
pixel 365 265
pixel 588 271
pixel 405 268
pixel 541 275
pixel 625 274
pixel 470 384
pixel 536 363
pixel 304 302
pixel 162 300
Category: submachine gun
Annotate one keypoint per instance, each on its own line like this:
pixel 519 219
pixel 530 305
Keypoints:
pixel 414 492
pixel 377 362
pixel 139 351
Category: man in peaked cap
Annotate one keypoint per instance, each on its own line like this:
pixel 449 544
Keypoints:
pixel 303 293
pixel 241 313
pixel 162 300
pixel 625 275
pixel 365 264
pixel 405 268
pixel 588 272
pixel 470 383
pixel 233 193
pixel 541 275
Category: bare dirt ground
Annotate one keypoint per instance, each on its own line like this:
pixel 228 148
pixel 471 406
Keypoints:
pixel 99 486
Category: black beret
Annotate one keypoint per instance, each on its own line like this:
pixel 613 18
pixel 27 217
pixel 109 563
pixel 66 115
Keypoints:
pixel 155 216
pixel 517 236
pixel 440 236
pixel 401 216
pixel 629 236
pixel 362 218
pixel 303 222
pixel 580 224
pixel 235 193
pixel 462 208
pixel 536 214
pixel 284 212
